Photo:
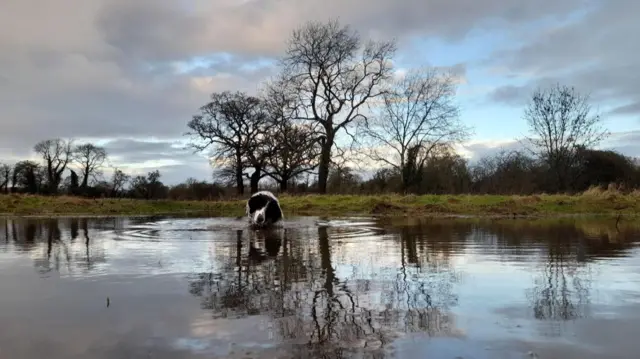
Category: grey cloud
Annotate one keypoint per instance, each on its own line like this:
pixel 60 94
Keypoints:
pixel 630 150
pixel 148 30
pixel 176 163
pixel 513 95
pixel 127 145
pixel 79 98
pixel 520 95
pixel 597 54
pixel 78 84
pixel 626 137
pixel 175 174
pixel 128 150
pixel 627 143
pixel 458 70
pixel 483 150
pixel 162 30
pixel 106 69
pixel 233 63
pixel 630 109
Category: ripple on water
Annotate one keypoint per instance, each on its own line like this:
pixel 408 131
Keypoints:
pixel 351 286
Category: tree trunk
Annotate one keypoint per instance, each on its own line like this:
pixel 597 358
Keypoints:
pixel 239 179
pixel 73 188
pixel 255 179
pixel 406 178
pixel 32 186
pixel 14 181
pixel 51 186
pixel 284 184
pixel 325 159
pixel 85 179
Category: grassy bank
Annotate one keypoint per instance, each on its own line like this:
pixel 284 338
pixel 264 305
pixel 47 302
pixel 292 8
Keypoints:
pixel 590 202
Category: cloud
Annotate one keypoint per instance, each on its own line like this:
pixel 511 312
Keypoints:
pixel 83 83
pixel 165 29
pixel 476 150
pixel 133 150
pixel 171 158
pixel 627 143
pixel 596 52
pixel 114 69
pixel 512 95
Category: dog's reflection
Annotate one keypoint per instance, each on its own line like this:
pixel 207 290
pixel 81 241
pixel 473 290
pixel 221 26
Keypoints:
pixel 265 243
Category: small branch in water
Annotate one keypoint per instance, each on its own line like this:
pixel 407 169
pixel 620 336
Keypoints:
pixel 108 302
pixel 618 221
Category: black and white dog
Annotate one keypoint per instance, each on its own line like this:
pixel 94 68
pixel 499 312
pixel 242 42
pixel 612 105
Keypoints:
pixel 263 209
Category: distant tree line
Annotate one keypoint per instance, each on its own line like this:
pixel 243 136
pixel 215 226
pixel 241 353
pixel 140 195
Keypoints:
pixel 334 102
pixel 507 172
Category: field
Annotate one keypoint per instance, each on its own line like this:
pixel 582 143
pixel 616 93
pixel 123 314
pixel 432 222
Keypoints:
pixel 594 201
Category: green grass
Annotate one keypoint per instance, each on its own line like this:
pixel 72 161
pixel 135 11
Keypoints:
pixel 590 202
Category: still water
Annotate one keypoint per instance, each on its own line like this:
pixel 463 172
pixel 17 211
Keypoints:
pixel 180 287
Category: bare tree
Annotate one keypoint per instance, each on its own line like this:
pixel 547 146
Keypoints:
pixel 228 126
pixel 335 76
pixel 118 181
pixel 57 154
pixel 293 149
pixel 225 172
pixel 344 180
pixel 149 187
pixel 418 114
pixel 295 152
pixel 5 176
pixel 560 122
pixel 90 158
pixel 258 150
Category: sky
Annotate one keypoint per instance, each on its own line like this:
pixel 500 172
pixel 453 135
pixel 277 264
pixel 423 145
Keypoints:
pixel 129 75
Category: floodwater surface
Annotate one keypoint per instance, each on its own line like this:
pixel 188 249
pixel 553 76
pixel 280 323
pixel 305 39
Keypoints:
pixel 164 287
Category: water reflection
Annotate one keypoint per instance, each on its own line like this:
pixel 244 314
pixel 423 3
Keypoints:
pixel 328 310
pixel 55 245
pixel 318 288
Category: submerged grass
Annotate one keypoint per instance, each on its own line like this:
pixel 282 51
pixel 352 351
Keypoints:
pixel 593 201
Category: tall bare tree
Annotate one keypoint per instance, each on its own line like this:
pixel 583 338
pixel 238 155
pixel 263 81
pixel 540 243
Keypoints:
pixel 560 122
pixel 335 76
pixel 90 158
pixel 228 126
pixel 418 115
pixel 57 154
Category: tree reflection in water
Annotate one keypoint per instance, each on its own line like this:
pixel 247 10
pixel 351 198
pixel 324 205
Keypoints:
pixel 563 256
pixel 54 243
pixel 561 287
pixel 316 309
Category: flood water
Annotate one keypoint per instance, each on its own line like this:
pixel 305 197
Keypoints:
pixel 331 288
